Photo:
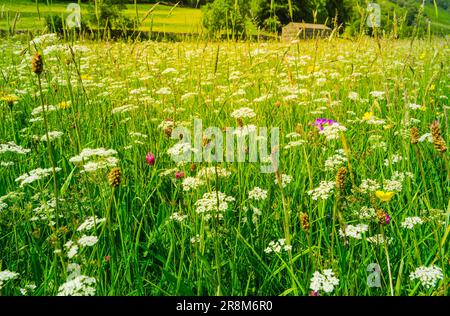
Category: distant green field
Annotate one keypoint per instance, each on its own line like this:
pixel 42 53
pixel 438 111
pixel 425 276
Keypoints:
pixel 162 19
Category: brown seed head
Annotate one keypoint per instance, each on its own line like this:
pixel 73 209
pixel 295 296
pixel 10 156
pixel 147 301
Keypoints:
pixel 341 178
pixel 414 135
pixel 304 220
pixel 37 65
pixel 114 177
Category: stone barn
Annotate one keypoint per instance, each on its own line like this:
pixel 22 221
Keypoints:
pixel 304 30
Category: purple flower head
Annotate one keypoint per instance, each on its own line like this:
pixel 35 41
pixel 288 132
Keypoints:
pixel 320 122
pixel 150 159
pixel 388 218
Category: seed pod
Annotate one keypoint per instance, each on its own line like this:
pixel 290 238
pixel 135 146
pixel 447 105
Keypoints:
pixel 37 65
pixel 304 220
pixel 438 141
pixel 341 178
pixel 114 177
pixel 414 135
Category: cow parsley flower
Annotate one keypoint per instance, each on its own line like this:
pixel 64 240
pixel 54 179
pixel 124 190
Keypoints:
pixel 369 186
pixel 191 183
pixel 285 180
pixel 428 276
pixel 278 245
pixel 87 241
pixel 410 222
pixel 78 286
pixel 52 136
pixel 213 203
pixel 90 222
pixel 14 148
pixel 324 190
pixel 7 275
pixel 326 281
pixel 354 231
pixel 257 194
pixel 35 175
pixel 243 112
pixel 332 131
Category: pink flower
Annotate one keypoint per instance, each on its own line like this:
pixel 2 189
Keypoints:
pixel 150 159
pixel 179 175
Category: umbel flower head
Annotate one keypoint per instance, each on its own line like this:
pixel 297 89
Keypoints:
pixel 114 177
pixel 37 65
pixel 438 141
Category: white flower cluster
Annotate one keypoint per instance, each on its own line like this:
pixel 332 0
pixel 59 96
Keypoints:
pixel 245 130
pixel 410 222
pixel 354 231
pixel 324 190
pixel 164 91
pixel 87 241
pixel 428 276
pixel 369 186
pixel 64 48
pixel 366 213
pixel 379 239
pixel 377 94
pixel 396 181
pixel 84 241
pixel 45 39
pixel 178 217
pixel 326 281
pixel 90 222
pixel 39 109
pixel 294 143
pixel 14 148
pixel 78 286
pixel 285 180
pixel 180 149
pixel 336 160
pixel 7 275
pixel 394 159
pixel 277 246
pixel 332 131
pixel 213 202
pixel 124 108
pixel 95 159
pixel 243 112
pixel 210 172
pixel 52 136
pixel 35 175
pixel 191 183
pixel 257 194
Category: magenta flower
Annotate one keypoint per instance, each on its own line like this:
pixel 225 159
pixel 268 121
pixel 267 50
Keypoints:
pixel 388 218
pixel 179 175
pixel 320 122
pixel 150 159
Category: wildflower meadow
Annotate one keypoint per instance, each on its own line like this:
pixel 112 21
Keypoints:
pixel 309 167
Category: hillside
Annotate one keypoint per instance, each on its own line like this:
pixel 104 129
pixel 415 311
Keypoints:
pixel 165 18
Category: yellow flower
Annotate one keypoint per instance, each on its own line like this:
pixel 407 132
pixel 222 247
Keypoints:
pixel 432 87
pixel 384 196
pixel 64 105
pixel 367 116
pixel 86 77
pixel 10 98
pixel 423 108
pixel 388 126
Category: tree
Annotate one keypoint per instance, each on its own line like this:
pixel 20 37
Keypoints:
pixel 107 14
